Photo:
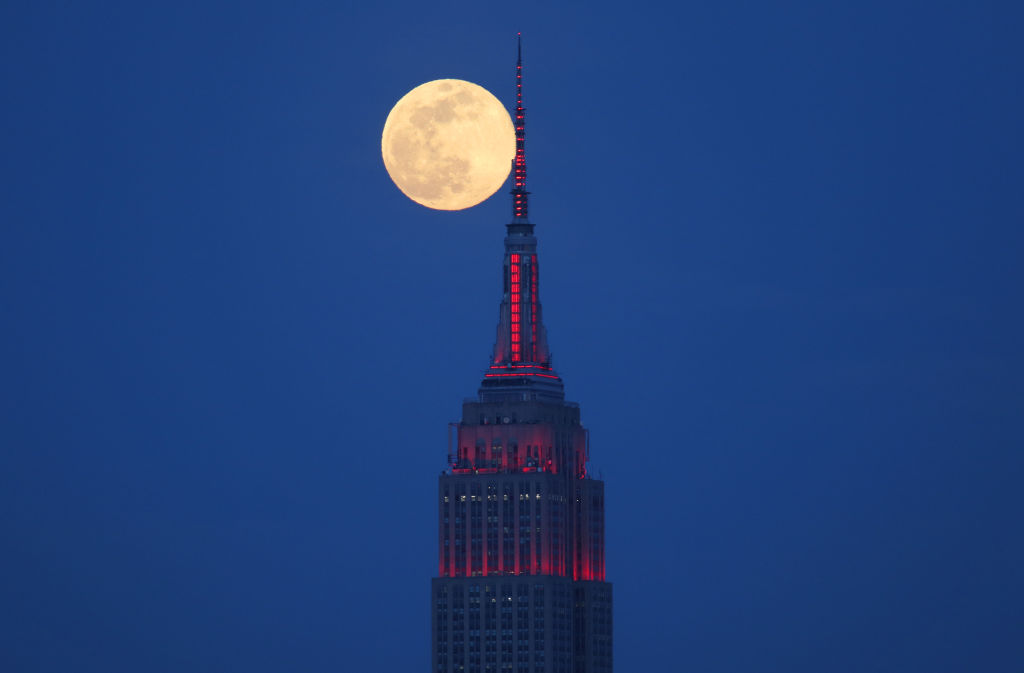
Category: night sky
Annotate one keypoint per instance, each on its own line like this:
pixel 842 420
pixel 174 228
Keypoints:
pixel 781 248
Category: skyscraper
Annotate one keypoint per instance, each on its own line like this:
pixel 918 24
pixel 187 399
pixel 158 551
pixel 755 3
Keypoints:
pixel 521 585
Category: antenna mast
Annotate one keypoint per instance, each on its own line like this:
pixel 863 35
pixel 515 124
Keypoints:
pixel 519 193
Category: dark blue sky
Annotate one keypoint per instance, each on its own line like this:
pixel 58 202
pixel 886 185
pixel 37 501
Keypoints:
pixel 781 249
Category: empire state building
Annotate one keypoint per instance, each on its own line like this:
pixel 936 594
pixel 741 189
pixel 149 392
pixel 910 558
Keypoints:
pixel 521 576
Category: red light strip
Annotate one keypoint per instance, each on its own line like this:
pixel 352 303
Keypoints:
pixel 533 306
pixel 547 376
pixel 520 367
pixel 515 284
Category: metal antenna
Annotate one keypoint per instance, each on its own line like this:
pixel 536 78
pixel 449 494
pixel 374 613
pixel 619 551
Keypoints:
pixel 519 193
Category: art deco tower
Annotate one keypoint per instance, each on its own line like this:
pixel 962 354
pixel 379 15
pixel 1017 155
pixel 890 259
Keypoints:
pixel 521 585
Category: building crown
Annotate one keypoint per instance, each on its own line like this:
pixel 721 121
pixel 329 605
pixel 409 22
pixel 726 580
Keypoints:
pixel 520 368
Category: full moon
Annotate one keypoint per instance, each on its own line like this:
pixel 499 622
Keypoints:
pixel 448 144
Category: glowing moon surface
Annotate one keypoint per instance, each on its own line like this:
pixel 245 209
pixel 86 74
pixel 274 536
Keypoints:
pixel 448 144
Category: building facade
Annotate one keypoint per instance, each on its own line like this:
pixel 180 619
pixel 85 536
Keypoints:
pixel 521 575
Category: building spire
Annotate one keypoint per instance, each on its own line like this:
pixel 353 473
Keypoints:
pixel 519 193
pixel 520 367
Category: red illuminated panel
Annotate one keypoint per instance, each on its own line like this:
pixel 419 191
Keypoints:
pixel 515 283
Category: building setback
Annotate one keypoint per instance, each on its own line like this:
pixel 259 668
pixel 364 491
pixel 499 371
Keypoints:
pixel 521 576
